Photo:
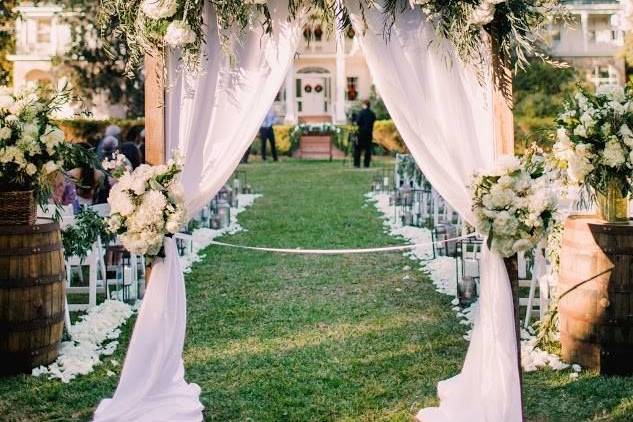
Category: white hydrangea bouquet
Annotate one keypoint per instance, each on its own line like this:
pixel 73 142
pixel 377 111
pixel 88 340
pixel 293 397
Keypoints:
pixel 33 149
pixel 594 145
pixel 516 204
pixel 146 205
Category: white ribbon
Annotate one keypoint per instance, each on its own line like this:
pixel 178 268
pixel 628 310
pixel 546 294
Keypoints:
pixel 301 251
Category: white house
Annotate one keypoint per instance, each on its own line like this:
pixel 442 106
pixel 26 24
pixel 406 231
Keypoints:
pixel 325 80
pixel 41 34
pixel 593 40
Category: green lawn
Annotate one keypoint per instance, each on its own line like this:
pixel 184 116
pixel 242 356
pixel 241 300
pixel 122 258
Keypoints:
pixel 303 338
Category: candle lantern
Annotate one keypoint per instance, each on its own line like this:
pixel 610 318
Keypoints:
pixel 205 216
pixel 224 212
pixel 214 222
pixel 406 210
pixel 181 246
pixel 224 194
pixel 237 181
pixel 124 278
pixel 213 205
pixel 466 290
pixel 385 178
pixel 406 194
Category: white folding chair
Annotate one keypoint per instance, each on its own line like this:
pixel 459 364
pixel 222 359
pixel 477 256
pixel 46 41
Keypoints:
pixel 96 266
pixel 102 209
pixel 185 243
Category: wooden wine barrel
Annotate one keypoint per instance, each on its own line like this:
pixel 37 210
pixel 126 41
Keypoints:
pixel 596 295
pixel 32 293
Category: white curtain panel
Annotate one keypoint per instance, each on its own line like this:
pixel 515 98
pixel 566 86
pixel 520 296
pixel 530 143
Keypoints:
pixel 212 117
pixel 444 115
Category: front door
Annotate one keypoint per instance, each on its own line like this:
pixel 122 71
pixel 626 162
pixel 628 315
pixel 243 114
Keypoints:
pixel 313 99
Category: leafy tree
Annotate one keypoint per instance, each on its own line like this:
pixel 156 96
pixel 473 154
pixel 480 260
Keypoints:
pixel 539 93
pixel 93 67
pixel 7 38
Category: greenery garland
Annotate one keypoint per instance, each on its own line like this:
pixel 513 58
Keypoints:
pixel 87 228
pixel 148 26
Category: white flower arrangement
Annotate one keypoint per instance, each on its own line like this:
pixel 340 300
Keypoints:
pixel 515 205
pixel 33 150
pixel 594 140
pixel 146 205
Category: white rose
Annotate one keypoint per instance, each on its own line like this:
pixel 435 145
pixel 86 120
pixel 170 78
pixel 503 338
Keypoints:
pixel 483 15
pixel 614 92
pixel 617 107
pixel 179 33
pixel 627 135
pixel 613 154
pixel 114 223
pixel 120 202
pixel 6 101
pixel 30 169
pixel 581 131
pixel 5 133
pixel 578 167
pixel 561 135
pixel 159 9
pixel 505 224
pixel 501 197
pixel 11 119
pixel 50 167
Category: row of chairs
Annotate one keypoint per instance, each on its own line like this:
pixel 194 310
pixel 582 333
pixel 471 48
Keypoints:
pixel 417 203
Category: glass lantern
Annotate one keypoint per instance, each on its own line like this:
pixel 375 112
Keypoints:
pixel 224 213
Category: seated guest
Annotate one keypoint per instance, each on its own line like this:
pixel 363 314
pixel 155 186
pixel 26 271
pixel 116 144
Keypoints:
pixel 107 147
pixel 89 182
pixel 133 155
pixel 64 192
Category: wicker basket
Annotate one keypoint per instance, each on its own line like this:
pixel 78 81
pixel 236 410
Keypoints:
pixel 18 208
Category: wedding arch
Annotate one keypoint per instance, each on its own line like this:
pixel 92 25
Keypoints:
pixel 445 80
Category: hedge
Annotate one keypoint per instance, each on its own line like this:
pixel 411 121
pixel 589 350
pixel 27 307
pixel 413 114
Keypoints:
pixel 91 130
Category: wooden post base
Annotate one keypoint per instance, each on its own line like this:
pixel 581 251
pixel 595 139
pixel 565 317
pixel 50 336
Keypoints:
pixel 512 266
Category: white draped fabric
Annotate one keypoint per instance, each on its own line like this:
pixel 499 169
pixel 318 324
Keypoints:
pixel 445 117
pixel 212 117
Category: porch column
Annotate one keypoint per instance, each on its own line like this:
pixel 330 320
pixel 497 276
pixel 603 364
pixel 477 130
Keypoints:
pixel 339 97
pixel 584 26
pixel 291 99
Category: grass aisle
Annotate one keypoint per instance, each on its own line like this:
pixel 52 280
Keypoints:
pixel 284 337
pixel 298 338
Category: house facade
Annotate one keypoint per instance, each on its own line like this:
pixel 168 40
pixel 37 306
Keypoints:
pixel 593 38
pixel 329 73
pixel 41 35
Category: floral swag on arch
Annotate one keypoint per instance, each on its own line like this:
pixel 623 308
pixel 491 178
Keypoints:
pixel 225 63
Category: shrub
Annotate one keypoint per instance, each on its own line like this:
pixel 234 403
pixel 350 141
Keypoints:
pixel 282 139
pixel 539 92
pixel 386 136
pixel 91 131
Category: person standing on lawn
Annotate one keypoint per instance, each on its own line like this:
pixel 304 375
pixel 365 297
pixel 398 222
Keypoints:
pixel 266 133
pixel 365 122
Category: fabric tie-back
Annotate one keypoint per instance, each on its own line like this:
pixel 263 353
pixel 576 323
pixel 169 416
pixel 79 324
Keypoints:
pixel 211 117
pixel 444 114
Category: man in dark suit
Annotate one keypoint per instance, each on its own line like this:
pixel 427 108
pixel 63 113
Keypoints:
pixel 365 122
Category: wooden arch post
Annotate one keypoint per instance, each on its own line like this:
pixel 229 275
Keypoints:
pixel 503 139
pixel 504 145
pixel 154 109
